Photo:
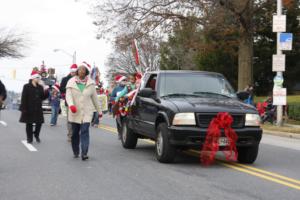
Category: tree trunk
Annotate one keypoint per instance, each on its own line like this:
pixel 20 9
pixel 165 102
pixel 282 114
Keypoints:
pixel 245 69
pixel 245 53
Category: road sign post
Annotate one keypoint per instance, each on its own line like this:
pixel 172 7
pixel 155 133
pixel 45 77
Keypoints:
pixel 284 42
pixel 279 25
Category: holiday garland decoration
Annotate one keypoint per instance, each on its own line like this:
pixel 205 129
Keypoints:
pixel 135 51
pixel 223 120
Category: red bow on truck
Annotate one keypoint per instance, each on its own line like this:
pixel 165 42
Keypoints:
pixel 223 120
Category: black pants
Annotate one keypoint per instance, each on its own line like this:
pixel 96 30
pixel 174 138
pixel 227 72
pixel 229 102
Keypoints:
pixel 30 132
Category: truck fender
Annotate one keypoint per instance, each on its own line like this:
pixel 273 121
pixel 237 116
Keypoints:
pixel 162 116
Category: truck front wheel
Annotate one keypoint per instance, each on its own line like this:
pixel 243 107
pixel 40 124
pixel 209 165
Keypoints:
pixel 165 152
pixel 128 137
pixel 247 155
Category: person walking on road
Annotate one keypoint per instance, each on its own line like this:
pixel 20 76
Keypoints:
pixel 2 99
pixel 82 102
pixel 54 102
pixel 2 94
pixel 33 94
pixel 63 84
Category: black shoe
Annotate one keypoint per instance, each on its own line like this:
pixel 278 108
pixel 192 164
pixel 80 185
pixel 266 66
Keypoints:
pixel 76 156
pixel 29 141
pixel 38 140
pixel 85 157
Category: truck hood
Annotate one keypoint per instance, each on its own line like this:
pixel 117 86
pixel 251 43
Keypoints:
pixel 200 104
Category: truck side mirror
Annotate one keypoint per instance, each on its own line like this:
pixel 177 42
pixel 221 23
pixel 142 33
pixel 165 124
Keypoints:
pixel 147 93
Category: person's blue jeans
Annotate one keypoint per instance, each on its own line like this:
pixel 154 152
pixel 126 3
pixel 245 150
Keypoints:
pixel 54 114
pixel 80 136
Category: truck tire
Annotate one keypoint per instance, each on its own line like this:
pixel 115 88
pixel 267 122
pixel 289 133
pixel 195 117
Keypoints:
pixel 247 155
pixel 128 137
pixel 119 128
pixel 165 152
pixel 119 121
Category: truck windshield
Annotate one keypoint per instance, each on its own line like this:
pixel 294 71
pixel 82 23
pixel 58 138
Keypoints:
pixel 207 85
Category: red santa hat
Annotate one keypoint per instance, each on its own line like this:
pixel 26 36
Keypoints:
pixel 120 78
pixel 35 74
pixel 56 87
pixel 86 65
pixel 73 68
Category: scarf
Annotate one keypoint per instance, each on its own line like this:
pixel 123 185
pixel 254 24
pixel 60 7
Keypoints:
pixel 79 81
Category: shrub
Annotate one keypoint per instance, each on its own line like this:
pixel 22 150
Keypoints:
pixel 294 111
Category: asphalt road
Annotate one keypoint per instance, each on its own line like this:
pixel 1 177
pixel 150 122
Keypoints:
pixel 112 172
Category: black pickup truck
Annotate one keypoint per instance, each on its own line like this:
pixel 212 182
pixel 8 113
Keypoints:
pixel 174 108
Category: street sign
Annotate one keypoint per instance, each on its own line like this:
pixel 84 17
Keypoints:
pixel 279 96
pixel 286 40
pixel 279 23
pixel 278 81
pixel 278 63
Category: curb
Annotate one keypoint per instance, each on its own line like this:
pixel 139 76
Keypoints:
pixel 282 134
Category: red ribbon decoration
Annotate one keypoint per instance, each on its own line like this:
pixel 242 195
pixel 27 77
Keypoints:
pixel 223 120
pixel 135 51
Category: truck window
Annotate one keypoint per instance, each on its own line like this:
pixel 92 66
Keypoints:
pixel 151 83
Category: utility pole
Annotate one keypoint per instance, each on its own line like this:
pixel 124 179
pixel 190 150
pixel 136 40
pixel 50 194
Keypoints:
pixel 284 42
pixel 279 74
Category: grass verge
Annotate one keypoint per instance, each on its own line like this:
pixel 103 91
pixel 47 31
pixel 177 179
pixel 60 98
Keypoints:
pixel 284 128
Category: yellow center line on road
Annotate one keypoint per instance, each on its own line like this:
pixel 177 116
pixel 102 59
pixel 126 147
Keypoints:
pixel 270 176
pixel 258 170
pixel 229 165
pixel 108 128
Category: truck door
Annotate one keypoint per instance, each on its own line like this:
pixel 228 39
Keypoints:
pixel 147 110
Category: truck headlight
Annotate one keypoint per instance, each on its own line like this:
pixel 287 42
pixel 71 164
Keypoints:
pixel 184 119
pixel 252 120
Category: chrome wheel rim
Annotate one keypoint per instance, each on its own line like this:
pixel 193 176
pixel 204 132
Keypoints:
pixel 124 133
pixel 159 144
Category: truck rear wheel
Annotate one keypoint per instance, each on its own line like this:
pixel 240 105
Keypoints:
pixel 128 137
pixel 165 152
pixel 247 154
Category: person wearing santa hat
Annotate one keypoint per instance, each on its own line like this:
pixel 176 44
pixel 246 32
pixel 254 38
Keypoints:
pixel 63 84
pixel 82 102
pixel 33 94
pixel 54 100
pixel 120 81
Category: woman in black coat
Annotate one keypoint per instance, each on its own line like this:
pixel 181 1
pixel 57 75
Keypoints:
pixel 31 106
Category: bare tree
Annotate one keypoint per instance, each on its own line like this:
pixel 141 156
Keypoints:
pixel 122 59
pixel 11 44
pixel 115 16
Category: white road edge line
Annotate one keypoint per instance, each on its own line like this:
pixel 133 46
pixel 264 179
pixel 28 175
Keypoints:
pixel 29 146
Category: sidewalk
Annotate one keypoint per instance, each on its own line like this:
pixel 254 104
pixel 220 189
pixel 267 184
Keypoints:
pixel 287 132
pixel 282 134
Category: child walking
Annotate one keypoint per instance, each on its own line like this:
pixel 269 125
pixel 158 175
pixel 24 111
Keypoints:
pixel 54 99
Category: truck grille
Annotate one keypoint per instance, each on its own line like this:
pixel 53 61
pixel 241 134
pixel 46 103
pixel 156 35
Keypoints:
pixel 204 119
